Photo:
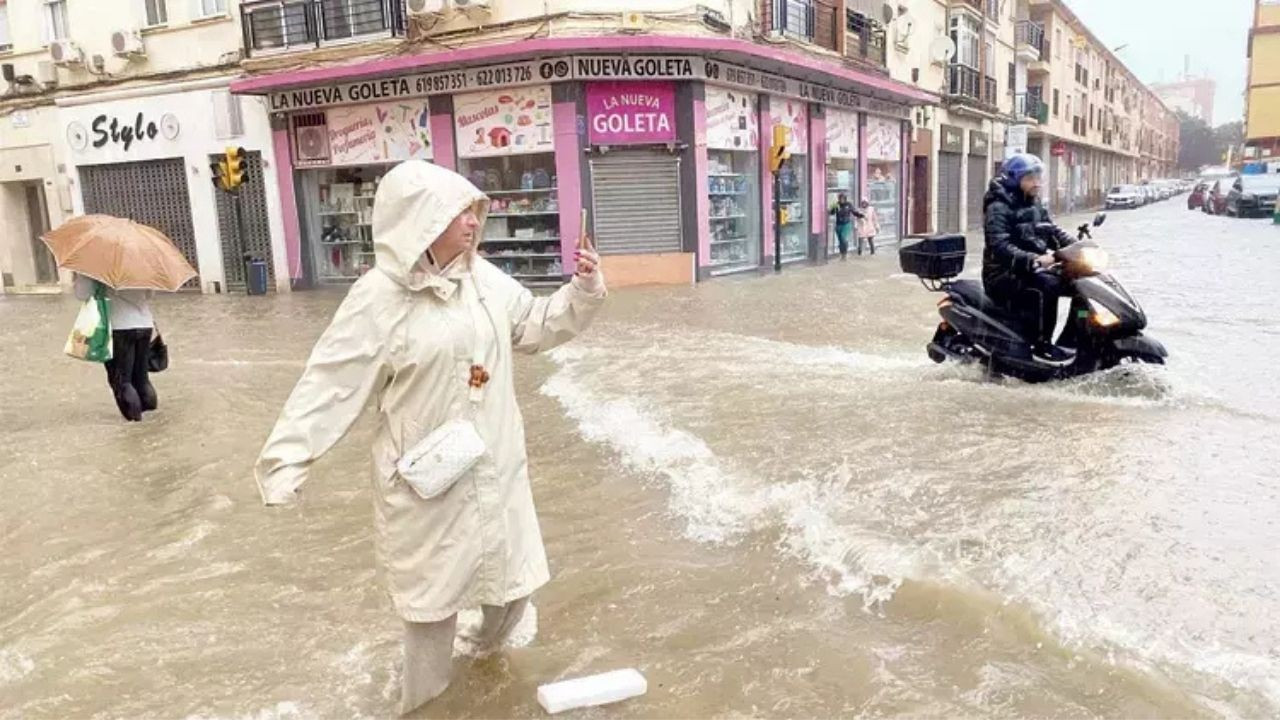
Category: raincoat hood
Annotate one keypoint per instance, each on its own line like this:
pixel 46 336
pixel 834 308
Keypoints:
pixel 414 205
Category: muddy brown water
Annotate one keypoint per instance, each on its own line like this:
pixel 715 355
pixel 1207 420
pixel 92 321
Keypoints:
pixel 758 491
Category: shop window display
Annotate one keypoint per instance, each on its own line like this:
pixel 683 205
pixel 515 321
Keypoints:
pixel 343 247
pixel 842 166
pixel 733 172
pixel 522 234
pixel 793 178
pixel 884 172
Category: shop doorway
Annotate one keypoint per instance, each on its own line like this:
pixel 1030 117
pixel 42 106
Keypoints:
pixel 153 193
pixel 920 208
pixel 636 196
pixel 977 189
pixel 46 267
pixel 257 240
pixel 949 174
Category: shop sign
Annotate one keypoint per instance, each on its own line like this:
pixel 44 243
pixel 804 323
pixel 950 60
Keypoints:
pixel 635 67
pixel 121 132
pixel 1015 140
pixel 842 135
pixel 884 139
pixel 381 133
pixel 1058 149
pixel 952 139
pixel 621 113
pixel 733 121
pixel 747 78
pixel 506 122
pixel 979 143
pixel 793 115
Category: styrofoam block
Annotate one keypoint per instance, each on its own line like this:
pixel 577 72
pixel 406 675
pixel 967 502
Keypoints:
pixel 610 687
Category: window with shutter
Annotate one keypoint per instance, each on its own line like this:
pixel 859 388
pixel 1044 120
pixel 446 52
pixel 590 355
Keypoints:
pixel 6 40
pixel 56 26
pixel 156 12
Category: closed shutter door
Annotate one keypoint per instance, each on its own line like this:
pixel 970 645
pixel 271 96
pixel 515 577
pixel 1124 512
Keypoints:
pixel 258 229
pixel 977 189
pixel 153 193
pixel 637 203
pixel 949 192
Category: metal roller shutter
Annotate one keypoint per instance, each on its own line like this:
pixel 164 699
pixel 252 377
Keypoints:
pixel 258 242
pixel 977 189
pixel 153 193
pixel 949 192
pixel 636 195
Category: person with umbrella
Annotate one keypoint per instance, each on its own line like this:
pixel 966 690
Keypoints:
pixel 126 262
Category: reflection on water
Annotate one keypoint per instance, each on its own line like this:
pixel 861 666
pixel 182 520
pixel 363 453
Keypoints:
pixel 758 491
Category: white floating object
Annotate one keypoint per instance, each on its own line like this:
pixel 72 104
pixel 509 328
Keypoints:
pixel 610 687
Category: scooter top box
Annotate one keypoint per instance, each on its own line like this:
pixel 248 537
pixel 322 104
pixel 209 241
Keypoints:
pixel 938 257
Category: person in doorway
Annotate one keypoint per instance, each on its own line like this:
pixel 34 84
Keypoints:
pixel 1020 245
pixel 845 212
pixel 131 327
pixel 430 333
pixel 868 226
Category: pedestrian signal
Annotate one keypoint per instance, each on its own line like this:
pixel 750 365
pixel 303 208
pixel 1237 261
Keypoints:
pixel 778 152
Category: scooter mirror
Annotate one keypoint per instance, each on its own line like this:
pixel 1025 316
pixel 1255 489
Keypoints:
pixel 1099 219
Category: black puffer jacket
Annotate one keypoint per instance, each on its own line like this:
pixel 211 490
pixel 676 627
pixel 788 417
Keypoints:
pixel 1012 243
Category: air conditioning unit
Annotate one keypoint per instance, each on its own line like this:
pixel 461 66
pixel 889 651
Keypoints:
pixel 127 44
pixel 311 137
pixel 46 73
pixel 426 8
pixel 65 52
pixel 471 7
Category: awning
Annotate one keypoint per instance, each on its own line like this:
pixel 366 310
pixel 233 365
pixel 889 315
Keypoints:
pixel 763 58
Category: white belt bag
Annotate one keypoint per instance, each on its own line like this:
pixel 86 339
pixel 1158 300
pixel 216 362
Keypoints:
pixel 437 461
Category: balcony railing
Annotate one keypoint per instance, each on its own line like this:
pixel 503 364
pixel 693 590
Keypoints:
pixel 282 24
pixel 1031 34
pixel 966 82
pixel 864 38
pixel 1030 106
pixel 796 18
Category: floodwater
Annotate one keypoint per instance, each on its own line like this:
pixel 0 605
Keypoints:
pixel 758 491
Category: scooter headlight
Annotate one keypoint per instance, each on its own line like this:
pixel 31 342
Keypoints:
pixel 1102 316
pixel 1094 259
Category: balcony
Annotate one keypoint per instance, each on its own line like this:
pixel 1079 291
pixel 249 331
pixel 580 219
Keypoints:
pixel 1029 106
pixel 1029 40
pixel 277 25
pixel 966 84
pixel 1040 66
pixel 864 39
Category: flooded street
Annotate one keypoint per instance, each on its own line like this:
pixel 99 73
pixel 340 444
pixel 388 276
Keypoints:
pixel 760 492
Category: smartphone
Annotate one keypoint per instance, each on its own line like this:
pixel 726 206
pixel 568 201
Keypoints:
pixel 582 231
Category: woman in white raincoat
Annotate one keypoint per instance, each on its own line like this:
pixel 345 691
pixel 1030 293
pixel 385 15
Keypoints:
pixel 409 333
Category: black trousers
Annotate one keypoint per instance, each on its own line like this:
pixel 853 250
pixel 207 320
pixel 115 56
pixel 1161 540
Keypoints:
pixel 127 373
pixel 1035 302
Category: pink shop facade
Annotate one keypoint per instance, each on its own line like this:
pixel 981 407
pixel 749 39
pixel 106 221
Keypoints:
pixel 662 140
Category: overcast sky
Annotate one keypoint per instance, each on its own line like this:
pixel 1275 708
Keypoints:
pixel 1160 33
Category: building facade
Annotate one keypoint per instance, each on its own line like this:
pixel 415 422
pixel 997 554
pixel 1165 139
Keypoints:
pixel 118 107
pixel 656 121
pixel 1262 111
pixel 1190 95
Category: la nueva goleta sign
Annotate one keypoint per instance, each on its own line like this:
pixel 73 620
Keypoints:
pixel 577 67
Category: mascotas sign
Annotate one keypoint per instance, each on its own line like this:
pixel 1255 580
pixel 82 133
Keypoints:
pixel 627 113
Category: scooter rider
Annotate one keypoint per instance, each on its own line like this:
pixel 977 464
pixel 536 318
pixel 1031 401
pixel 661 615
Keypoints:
pixel 1018 253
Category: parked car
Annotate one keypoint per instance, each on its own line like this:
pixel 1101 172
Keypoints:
pixel 1253 196
pixel 1195 201
pixel 1215 201
pixel 1148 194
pixel 1123 196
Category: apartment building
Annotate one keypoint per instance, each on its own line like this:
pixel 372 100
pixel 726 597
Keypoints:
pixel 118 106
pixel 1262 113
pixel 654 116
pixel 1098 124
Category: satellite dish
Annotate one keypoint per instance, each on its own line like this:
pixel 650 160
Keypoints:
pixel 942 50
pixel 886 13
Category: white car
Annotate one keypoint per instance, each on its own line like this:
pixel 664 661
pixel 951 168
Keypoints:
pixel 1124 196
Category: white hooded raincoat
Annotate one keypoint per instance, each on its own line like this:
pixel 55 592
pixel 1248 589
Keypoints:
pixel 408 338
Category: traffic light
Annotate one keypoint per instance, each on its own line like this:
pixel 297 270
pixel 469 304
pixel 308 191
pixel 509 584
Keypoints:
pixel 778 152
pixel 234 168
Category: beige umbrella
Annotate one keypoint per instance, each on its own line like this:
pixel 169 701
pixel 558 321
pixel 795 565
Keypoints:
pixel 120 253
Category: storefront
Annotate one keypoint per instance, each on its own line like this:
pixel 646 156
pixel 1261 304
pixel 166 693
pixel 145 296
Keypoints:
pixel 341 154
pixel 793 177
pixel 664 152
pixel 842 166
pixel 733 179
pixel 950 176
pixel 884 174
pixel 978 175
pixel 147 157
